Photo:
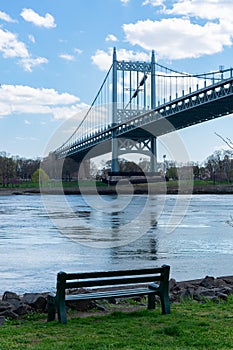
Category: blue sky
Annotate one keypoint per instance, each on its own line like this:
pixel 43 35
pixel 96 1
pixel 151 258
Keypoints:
pixel 54 56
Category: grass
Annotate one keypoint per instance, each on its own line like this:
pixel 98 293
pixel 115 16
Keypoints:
pixel 190 326
pixel 93 183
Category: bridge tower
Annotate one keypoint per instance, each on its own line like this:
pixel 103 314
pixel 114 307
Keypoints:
pixel 137 95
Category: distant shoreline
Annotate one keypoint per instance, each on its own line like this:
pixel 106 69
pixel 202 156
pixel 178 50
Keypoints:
pixel 138 189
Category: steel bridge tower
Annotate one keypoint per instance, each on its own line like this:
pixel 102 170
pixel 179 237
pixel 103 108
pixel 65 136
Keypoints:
pixel 141 94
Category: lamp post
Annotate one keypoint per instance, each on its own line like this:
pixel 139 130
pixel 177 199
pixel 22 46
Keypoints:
pixel 164 164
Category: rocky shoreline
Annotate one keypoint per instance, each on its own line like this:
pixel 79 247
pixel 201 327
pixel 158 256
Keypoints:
pixel 14 306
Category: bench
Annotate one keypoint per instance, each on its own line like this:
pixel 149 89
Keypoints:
pixel 123 283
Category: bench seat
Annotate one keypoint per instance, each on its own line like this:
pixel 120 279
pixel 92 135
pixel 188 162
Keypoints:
pixel 121 293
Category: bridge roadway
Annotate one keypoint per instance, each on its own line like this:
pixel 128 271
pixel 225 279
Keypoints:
pixel 211 102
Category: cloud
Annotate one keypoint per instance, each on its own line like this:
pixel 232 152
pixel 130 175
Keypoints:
pixel 30 15
pixel 124 2
pixel 31 38
pixel 153 2
pixel 20 99
pixel 29 63
pixel 103 60
pixel 208 9
pixel 67 57
pixel 5 17
pixel 78 51
pixel 111 37
pixel 11 47
pixel 69 111
pixel 171 41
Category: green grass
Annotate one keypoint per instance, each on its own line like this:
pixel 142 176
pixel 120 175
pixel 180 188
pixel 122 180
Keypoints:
pixel 189 326
pixel 93 183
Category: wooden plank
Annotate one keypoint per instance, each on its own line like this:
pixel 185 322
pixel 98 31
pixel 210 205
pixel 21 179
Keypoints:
pixel 111 282
pixel 114 273
pixel 110 294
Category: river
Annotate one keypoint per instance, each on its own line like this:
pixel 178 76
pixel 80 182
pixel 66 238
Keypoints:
pixel 41 235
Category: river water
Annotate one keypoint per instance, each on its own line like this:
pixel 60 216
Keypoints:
pixel 40 236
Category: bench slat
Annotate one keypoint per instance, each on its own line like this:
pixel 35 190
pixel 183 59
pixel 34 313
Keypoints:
pixel 114 273
pixel 110 294
pixel 112 281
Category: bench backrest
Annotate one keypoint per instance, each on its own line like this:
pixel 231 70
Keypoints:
pixel 112 278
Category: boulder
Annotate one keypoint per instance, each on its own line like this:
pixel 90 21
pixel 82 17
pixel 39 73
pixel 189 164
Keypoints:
pixel 37 301
pixel 8 296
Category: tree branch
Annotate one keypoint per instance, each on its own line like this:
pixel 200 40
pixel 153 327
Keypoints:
pixel 227 140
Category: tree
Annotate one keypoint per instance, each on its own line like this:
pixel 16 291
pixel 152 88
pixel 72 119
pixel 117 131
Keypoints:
pixel 220 166
pixel 40 176
pixel 172 173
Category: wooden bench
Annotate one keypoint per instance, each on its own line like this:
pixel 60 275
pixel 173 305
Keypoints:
pixel 124 283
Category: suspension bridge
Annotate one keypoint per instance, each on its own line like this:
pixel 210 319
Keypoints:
pixel 140 101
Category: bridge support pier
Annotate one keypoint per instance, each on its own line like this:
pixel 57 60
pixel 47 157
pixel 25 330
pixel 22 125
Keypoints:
pixel 153 155
pixel 115 163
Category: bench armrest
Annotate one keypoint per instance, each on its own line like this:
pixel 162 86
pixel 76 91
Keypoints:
pixel 153 286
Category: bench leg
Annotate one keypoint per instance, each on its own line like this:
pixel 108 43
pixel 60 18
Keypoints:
pixel 151 301
pixel 51 304
pixel 165 303
pixel 61 310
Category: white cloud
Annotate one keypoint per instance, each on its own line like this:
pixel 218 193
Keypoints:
pixel 69 111
pixel 111 37
pixel 169 39
pixel 30 15
pixel 124 2
pixel 29 63
pixel 27 122
pixel 67 57
pixel 208 9
pixel 153 2
pixel 21 99
pixel 31 38
pixel 5 17
pixel 78 51
pixel 11 47
pixel 104 59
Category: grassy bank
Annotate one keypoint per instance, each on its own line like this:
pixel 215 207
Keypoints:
pixel 91 186
pixel 190 325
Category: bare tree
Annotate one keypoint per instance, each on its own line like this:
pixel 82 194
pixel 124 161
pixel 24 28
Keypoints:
pixel 227 140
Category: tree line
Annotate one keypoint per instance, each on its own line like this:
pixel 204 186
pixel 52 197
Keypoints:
pixel 14 169
pixel 218 167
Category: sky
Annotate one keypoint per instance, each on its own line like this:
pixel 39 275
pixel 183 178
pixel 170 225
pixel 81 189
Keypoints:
pixel 54 56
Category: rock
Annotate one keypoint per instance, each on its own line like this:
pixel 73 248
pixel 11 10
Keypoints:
pixel 23 309
pixel 208 282
pixel 172 284
pixel 101 308
pixel 36 300
pixel 209 287
pixel 7 296
pixel 81 305
pixel 188 293
pixel 222 296
pixel 4 305
pixel 10 314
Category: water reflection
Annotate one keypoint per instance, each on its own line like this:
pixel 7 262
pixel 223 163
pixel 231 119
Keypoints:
pixel 110 223
pixel 140 250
